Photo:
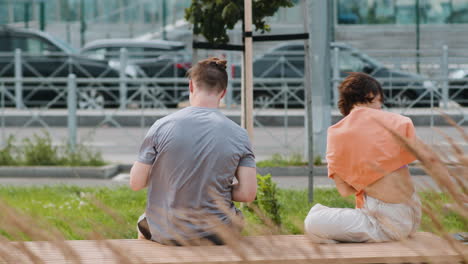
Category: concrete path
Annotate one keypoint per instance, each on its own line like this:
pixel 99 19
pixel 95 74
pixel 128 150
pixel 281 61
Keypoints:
pixel 121 145
pixel 284 182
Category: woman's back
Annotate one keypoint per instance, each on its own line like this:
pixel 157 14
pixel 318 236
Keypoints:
pixel 395 187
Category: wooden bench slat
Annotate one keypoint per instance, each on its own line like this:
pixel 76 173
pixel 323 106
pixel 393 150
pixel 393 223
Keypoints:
pixel 257 249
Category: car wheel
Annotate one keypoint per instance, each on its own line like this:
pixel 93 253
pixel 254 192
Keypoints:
pixel 91 99
pixel 403 100
pixel 263 101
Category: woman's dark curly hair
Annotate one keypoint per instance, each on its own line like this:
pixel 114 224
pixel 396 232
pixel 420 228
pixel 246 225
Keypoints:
pixel 358 88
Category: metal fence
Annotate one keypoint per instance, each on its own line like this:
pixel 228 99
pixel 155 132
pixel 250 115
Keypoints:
pixel 123 96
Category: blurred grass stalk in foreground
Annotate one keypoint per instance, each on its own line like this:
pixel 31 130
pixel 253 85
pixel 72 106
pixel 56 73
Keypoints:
pixel 450 176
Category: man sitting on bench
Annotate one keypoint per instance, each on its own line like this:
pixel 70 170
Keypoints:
pixel 189 160
pixel 365 159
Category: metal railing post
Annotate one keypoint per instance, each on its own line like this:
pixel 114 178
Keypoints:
pixel 71 104
pixel 18 80
pixel 123 77
pixel 336 75
pixel 445 76
pixel 231 78
pixel 2 102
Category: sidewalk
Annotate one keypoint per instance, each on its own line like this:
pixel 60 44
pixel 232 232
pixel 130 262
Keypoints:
pixel 266 117
pixel 284 182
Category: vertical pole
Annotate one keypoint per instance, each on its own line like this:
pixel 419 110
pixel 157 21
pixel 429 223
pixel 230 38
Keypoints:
pixel 42 15
pixel 164 19
pixel 231 78
pixel 26 14
pixel 418 22
pixel 18 80
pixel 308 106
pixel 82 23
pixel 321 74
pixel 68 19
pixel 336 75
pixel 123 78
pixel 71 104
pixel 247 89
pixel 445 76
pixel 2 86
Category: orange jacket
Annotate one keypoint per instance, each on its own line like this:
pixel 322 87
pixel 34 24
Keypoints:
pixel 361 151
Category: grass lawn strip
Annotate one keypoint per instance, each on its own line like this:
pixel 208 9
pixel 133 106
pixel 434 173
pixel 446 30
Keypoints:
pixel 77 211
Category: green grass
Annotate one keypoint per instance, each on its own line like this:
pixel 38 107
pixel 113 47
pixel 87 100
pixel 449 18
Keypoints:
pixel 74 212
pixel 278 160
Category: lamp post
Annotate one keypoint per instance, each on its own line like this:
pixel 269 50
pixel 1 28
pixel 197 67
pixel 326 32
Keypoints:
pixel 418 22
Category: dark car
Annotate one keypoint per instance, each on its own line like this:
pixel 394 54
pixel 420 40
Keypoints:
pixel 45 57
pixel 284 66
pixel 458 86
pixel 152 58
pixel 148 59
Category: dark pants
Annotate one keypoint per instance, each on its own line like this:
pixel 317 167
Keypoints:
pixel 212 239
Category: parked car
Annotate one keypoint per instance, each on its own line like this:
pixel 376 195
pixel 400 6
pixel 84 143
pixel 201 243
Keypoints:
pixel 44 57
pixel 286 61
pixel 458 86
pixel 147 59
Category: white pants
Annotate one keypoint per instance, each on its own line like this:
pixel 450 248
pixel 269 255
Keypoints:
pixel 375 222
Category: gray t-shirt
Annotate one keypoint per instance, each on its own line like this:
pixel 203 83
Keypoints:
pixel 195 153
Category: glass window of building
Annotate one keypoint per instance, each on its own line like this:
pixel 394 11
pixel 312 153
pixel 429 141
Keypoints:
pixel 401 12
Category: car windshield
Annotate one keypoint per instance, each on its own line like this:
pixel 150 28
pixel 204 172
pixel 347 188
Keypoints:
pixel 63 45
pixel 371 60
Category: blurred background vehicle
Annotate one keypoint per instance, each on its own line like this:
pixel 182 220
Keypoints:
pixel 146 59
pixel 458 86
pixel 44 56
pixel 286 62
pixel 151 58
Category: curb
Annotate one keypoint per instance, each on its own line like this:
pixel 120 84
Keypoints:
pixel 293 171
pixel 318 171
pixel 109 171
pixel 103 172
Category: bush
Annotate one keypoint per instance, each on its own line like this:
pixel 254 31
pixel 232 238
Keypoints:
pixel 82 156
pixel 267 198
pixel 8 155
pixel 39 151
pixel 318 160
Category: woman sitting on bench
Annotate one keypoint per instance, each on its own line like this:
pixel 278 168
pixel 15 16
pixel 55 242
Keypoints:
pixel 366 160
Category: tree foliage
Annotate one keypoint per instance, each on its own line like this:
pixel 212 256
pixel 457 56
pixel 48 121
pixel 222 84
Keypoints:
pixel 212 18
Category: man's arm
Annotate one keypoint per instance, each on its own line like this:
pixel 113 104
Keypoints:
pixel 343 188
pixel 246 189
pixel 139 175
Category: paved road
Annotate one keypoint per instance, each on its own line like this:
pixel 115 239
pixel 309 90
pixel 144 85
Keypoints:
pixel 121 144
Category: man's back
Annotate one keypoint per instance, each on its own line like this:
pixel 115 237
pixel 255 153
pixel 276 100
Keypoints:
pixel 197 151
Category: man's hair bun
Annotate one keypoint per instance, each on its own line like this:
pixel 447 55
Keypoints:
pixel 218 63
pixel 211 72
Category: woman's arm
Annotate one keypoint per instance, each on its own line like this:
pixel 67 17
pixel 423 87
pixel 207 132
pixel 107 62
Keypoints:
pixel 343 188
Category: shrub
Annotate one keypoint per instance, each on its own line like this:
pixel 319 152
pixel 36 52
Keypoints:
pixel 82 156
pixel 318 160
pixel 267 198
pixel 39 151
pixel 7 154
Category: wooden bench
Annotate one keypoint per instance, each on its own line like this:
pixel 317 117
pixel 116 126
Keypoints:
pixel 423 247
